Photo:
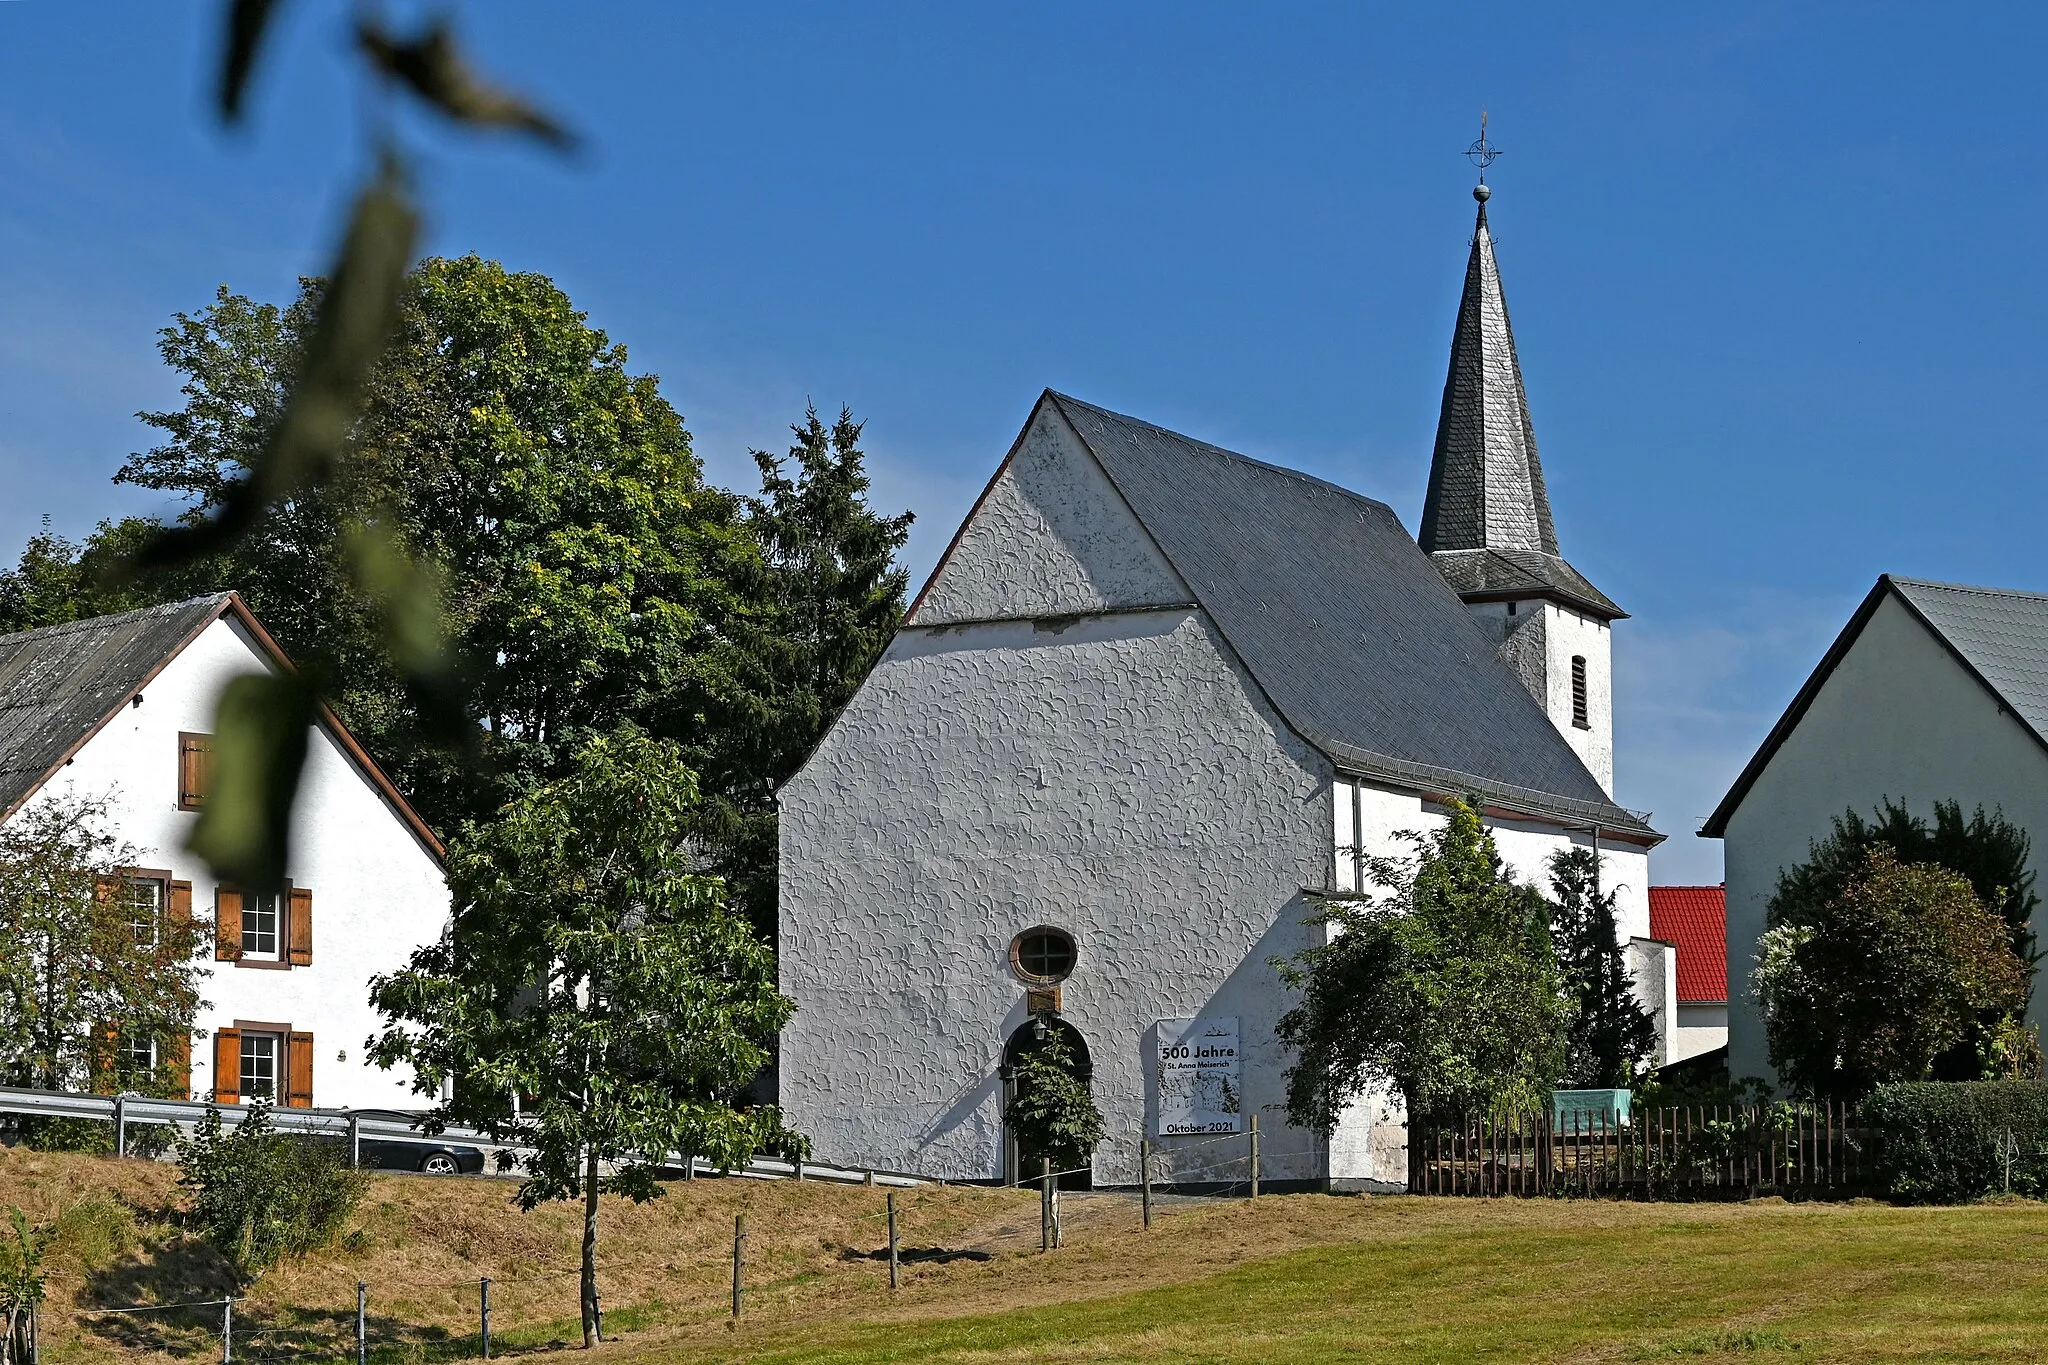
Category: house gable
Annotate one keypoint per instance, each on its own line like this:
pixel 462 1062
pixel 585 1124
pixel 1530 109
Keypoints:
pixel 1050 537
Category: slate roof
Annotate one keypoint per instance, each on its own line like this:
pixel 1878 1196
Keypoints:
pixel 1486 491
pixel 1344 623
pixel 60 683
pixel 1998 635
pixel 1694 920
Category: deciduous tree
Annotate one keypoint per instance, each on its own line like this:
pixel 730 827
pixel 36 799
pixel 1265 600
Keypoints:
pixel 1895 970
pixel 1444 986
pixel 85 971
pixel 594 1000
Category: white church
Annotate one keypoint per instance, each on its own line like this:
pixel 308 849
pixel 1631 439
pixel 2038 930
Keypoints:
pixel 1153 698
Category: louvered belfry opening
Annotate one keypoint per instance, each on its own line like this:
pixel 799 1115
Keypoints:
pixel 1579 716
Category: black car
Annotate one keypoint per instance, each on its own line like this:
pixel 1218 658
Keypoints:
pixel 429 1155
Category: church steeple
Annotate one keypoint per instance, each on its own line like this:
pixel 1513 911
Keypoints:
pixel 1485 479
pixel 1487 523
pixel 1487 519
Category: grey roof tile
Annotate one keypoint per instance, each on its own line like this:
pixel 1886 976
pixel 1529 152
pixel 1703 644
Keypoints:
pixel 59 683
pixel 2002 634
pixel 1344 622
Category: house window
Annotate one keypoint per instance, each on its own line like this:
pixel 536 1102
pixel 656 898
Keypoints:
pixel 195 770
pixel 262 924
pixel 260 1065
pixel 1579 693
pixel 139 1054
pixel 1043 955
pixel 142 898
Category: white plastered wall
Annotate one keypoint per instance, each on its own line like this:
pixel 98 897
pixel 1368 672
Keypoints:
pixel 378 892
pixel 1900 718
pixel 1567 635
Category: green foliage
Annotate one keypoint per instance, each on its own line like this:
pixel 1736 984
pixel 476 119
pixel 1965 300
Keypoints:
pixel 259 1196
pixel 23 1282
pixel 1611 1036
pixel 575 560
pixel 1988 849
pixel 1053 1115
pixel 594 1000
pixel 1945 1143
pixel 91 1137
pixel 1897 970
pixel 1446 988
pixel 76 977
pixel 810 616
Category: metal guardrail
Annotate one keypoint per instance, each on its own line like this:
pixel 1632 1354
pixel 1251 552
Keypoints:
pixel 122 1110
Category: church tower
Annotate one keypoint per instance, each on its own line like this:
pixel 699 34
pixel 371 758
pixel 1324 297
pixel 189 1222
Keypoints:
pixel 1487 525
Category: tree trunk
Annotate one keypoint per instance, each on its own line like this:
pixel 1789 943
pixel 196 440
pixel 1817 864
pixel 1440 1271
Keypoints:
pixel 590 1249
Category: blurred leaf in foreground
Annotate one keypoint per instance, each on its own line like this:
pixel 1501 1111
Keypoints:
pixel 432 69
pixel 259 748
pixel 248 21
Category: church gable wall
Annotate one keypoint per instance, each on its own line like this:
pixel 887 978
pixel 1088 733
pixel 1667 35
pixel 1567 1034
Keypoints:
pixel 1117 777
pixel 1051 537
pixel 1900 718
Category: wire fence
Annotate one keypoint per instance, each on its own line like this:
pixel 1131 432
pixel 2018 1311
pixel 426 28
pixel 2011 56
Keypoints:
pixel 311 1333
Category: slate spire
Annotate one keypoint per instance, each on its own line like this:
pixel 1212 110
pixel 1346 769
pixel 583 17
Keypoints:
pixel 1485 479
pixel 1487 519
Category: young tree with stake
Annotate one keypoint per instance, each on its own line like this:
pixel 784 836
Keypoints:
pixel 595 1001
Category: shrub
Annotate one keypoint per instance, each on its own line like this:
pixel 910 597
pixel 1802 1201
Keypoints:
pixel 22 1283
pixel 1901 967
pixel 259 1196
pixel 1946 1142
pixel 1053 1114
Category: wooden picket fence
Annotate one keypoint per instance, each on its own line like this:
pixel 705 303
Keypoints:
pixel 1697 1151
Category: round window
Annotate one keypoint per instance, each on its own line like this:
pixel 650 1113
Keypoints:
pixel 1042 955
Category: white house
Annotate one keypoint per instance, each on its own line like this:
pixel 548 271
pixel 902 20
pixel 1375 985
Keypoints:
pixel 118 708
pixel 1932 692
pixel 1156 696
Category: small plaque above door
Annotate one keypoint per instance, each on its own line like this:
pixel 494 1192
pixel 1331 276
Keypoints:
pixel 1042 1000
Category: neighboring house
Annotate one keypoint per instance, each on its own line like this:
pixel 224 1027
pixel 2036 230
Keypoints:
pixel 1156 697
pixel 1694 920
pixel 118 707
pixel 1932 692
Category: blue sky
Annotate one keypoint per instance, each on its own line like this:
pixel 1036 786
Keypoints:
pixel 1771 268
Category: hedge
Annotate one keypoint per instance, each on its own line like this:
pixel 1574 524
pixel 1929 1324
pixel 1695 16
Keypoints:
pixel 1938 1142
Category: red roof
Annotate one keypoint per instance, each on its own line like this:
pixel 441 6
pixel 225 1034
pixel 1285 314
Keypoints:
pixel 1695 919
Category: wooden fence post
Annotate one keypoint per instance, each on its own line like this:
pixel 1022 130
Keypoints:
pixel 1145 1176
pixel 892 1240
pixel 483 1315
pixel 739 1261
pixel 1045 1205
pixel 1255 1156
pixel 362 1323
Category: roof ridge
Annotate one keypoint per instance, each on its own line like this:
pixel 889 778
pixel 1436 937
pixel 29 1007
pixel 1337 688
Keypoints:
pixel 1978 588
pixel 112 617
pixel 1226 452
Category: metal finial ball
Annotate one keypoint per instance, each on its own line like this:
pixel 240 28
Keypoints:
pixel 1482 192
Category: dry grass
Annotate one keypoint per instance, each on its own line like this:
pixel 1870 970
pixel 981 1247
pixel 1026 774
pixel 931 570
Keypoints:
pixel 1298 1278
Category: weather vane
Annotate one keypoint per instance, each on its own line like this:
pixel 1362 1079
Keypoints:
pixel 1482 152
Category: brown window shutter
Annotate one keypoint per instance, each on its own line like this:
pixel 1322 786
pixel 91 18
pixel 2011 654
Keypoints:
pixel 106 889
pixel 174 1062
pixel 179 912
pixel 227 1065
pixel 106 1045
pixel 195 770
pixel 299 927
pixel 227 924
pixel 298 1071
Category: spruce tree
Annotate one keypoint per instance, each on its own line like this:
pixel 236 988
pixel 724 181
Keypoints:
pixel 1611 1036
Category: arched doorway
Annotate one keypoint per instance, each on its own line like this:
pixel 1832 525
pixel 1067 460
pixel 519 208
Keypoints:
pixel 1019 1161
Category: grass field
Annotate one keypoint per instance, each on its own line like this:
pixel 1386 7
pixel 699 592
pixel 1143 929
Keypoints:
pixel 1302 1278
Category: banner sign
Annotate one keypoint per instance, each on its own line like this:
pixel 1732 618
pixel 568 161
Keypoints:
pixel 1198 1077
